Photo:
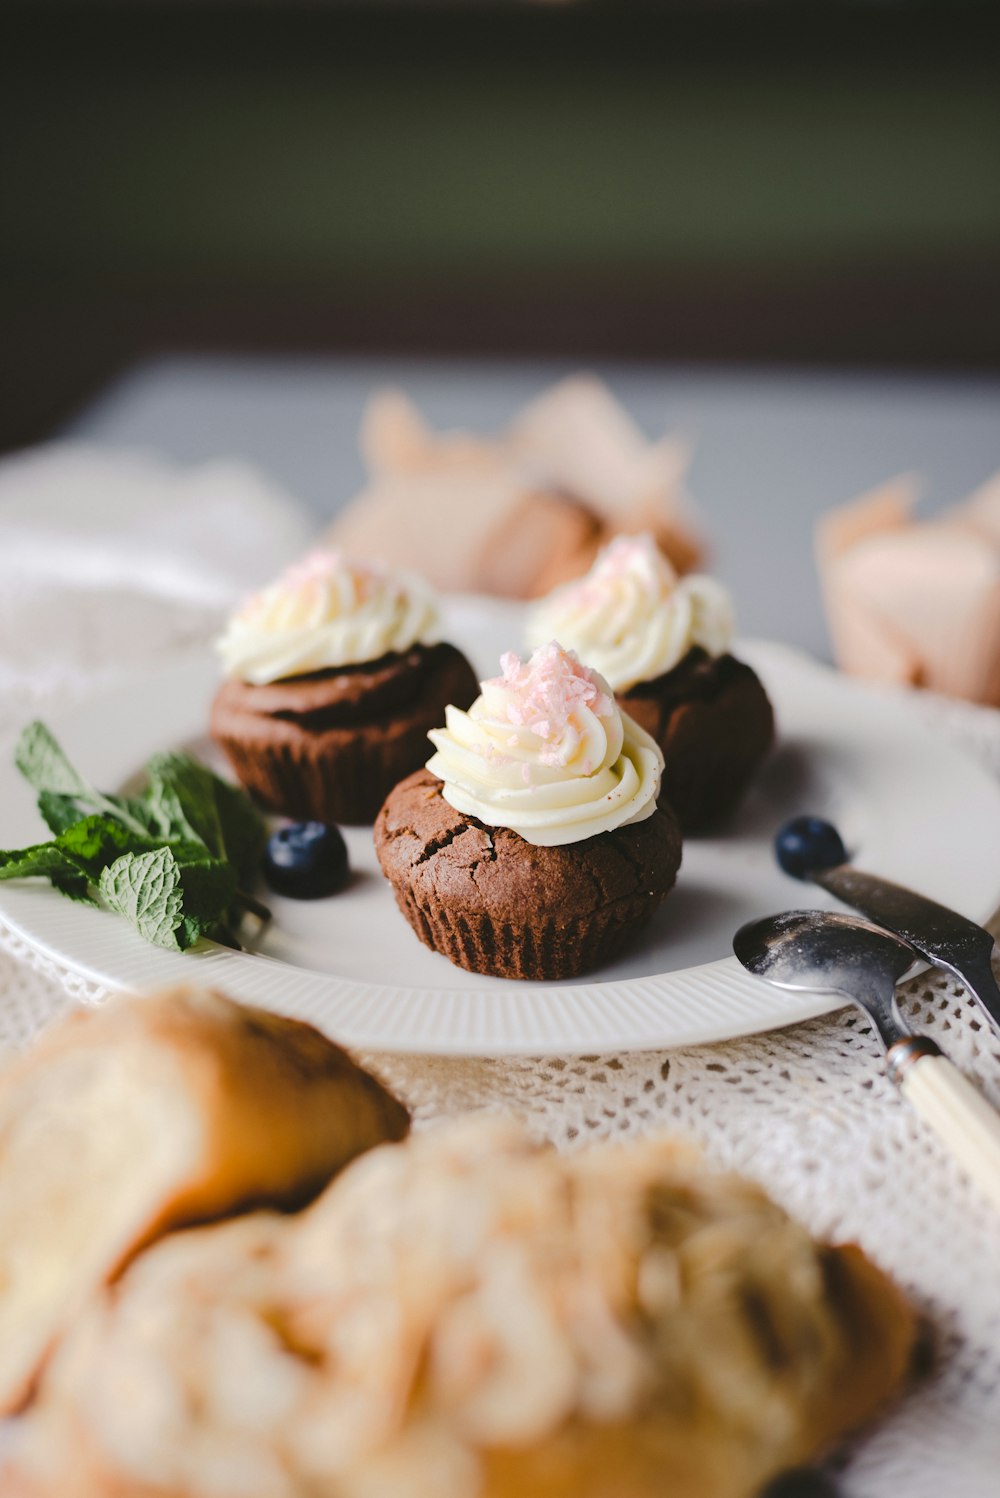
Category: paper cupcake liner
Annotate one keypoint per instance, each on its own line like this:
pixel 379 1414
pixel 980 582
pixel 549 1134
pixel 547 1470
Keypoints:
pixel 533 950
pixel 711 746
pixel 342 773
pixel 345 781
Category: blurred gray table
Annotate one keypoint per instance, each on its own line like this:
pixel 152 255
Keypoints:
pixel 771 450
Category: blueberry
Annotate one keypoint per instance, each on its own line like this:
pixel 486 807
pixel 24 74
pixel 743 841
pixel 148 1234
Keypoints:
pixel 806 844
pixel 306 860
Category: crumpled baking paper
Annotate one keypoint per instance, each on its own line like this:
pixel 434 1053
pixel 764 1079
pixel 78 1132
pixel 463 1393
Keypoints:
pixel 915 602
pixel 515 515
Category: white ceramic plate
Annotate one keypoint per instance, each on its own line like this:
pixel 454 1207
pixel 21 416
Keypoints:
pixel 909 805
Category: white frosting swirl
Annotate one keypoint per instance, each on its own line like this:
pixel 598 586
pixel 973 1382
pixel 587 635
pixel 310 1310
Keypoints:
pixel 324 612
pixel 545 751
pixel 631 617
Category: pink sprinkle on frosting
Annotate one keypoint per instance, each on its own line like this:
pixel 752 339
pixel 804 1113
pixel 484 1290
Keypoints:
pixel 310 572
pixel 320 565
pixel 638 556
pixel 626 554
pixel 546 690
pixel 315 566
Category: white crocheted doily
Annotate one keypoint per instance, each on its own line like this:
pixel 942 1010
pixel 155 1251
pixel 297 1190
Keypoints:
pixel 805 1110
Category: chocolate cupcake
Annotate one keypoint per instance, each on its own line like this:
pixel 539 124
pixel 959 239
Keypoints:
pixel 663 645
pixel 335 676
pixel 534 843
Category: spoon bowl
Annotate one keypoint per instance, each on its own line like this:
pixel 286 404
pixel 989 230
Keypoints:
pixel 822 951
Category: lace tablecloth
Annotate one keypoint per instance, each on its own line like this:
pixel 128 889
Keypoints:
pixel 99 588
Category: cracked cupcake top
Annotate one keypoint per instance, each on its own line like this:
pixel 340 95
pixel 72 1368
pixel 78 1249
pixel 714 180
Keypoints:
pixel 325 611
pixel 632 617
pixel 545 751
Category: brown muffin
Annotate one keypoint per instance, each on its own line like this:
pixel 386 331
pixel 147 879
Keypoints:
pixel 714 722
pixel 494 903
pixel 330 745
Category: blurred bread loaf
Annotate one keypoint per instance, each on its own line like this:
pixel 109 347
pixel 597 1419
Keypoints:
pixel 471 1315
pixel 517 514
pixel 149 1113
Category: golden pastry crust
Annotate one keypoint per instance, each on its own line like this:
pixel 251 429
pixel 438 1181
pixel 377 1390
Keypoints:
pixel 152 1113
pixel 471 1315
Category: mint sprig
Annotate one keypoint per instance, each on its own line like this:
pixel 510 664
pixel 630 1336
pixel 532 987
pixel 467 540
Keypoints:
pixel 44 765
pixel 146 889
pixel 174 861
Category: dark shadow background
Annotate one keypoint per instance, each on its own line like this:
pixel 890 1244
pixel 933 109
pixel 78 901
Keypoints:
pixel 708 182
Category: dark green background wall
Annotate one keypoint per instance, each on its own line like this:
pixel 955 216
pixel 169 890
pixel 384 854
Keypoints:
pixel 814 183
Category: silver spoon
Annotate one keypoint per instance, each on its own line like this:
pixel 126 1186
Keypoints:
pixel 820 951
pixel 810 848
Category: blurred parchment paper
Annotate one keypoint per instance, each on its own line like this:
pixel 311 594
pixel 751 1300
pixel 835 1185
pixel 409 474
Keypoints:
pixel 916 602
pixel 515 515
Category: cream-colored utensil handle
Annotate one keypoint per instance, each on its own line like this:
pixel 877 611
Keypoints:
pixel 959 1115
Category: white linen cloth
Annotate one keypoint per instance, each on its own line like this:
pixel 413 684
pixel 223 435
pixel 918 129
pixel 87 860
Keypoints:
pixel 110 563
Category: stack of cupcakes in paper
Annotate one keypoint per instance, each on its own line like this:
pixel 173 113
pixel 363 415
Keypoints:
pixel 518 513
pixel 916 602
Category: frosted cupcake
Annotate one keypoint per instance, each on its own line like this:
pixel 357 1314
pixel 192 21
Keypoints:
pixel 662 643
pixel 335 674
pixel 533 844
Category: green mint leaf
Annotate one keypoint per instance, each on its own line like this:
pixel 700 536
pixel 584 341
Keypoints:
pixel 133 811
pixel 181 794
pixel 44 860
pixel 48 861
pixel 209 889
pixel 75 889
pixel 59 811
pixel 161 808
pixel 244 830
pixel 191 930
pixel 98 840
pixel 44 765
pixel 74 860
pixel 187 800
pixel 146 889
